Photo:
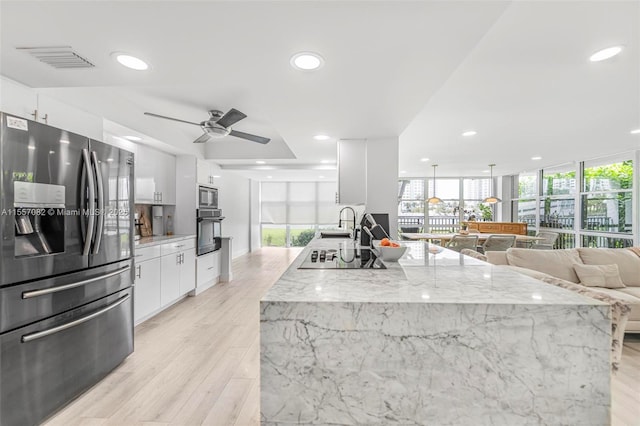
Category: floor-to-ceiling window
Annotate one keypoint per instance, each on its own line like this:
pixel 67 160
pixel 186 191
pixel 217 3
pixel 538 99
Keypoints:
pixel 292 212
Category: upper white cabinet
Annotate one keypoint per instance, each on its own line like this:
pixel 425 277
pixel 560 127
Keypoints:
pixel 205 172
pixel 155 176
pixel 352 171
pixel 28 103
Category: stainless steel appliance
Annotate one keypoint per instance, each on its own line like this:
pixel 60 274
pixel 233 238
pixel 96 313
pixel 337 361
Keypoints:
pixel 209 230
pixel 207 197
pixel 344 257
pixel 66 311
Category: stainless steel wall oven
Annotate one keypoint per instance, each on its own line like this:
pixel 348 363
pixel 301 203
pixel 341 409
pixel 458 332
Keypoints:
pixel 209 230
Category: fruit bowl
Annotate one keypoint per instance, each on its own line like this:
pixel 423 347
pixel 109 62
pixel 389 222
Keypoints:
pixel 389 253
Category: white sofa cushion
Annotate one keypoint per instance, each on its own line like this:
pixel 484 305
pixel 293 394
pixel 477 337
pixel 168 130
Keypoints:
pixel 558 263
pixel 628 263
pixel 497 257
pixel 606 276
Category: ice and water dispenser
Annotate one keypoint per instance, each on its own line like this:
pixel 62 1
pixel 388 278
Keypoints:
pixel 39 218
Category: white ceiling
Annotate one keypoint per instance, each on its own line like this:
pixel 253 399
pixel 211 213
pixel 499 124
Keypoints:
pixel 516 72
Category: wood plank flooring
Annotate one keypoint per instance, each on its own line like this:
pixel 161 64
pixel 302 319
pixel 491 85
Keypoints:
pixel 197 363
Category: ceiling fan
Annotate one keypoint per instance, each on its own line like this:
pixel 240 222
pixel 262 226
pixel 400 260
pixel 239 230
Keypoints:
pixel 219 125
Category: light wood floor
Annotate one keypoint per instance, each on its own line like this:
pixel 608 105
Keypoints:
pixel 198 362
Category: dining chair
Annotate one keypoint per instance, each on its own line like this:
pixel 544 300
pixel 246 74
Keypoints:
pixel 459 242
pixel 548 242
pixel 498 243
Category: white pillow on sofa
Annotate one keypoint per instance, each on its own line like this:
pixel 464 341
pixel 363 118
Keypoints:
pixel 628 263
pixel 607 276
pixel 557 263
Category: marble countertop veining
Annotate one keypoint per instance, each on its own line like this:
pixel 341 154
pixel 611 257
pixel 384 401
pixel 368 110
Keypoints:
pixel 426 274
pixel 160 239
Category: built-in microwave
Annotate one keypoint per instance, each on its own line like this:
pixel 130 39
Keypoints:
pixel 207 197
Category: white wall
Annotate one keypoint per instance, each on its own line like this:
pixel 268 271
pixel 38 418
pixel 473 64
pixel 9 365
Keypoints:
pixel 382 179
pixel 234 200
pixel 255 240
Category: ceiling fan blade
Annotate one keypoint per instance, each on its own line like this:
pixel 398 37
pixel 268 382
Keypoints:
pixel 249 137
pixel 231 118
pixel 170 118
pixel 202 139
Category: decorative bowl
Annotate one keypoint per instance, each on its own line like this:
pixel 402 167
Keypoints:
pixel 390 254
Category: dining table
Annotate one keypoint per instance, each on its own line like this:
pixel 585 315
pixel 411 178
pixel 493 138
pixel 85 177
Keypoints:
pixel 444 238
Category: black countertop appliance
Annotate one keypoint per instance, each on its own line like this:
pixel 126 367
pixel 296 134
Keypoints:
pixel 378 226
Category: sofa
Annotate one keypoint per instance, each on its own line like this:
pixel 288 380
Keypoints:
pixel 609 275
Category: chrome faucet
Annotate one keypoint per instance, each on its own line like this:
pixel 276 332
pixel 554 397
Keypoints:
pixel 340 216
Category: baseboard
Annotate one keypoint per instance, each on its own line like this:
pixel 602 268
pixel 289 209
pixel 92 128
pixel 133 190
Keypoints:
pixel 204 287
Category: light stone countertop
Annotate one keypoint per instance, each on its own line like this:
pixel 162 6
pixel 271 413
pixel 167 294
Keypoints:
pixel 421 276
pixel 160 239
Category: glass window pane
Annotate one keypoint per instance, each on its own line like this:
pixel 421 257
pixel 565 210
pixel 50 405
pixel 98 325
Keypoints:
pixel 607 212
pixel 559 180
pixel 444 217
pixel 609 176
pixel 273 191
pixel 274 236
pixel 527 185
pixel 565 241
pixel 476 189
pixel 526 212
pixel 445 188
pixel 607 242
pixel 558 214
pixel 301 235
pixel 272 212
pixel 411 189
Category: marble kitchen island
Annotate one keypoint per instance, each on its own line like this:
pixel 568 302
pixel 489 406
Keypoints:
pixel 437 339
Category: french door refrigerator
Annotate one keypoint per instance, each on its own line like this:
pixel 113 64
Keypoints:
pixel 66 311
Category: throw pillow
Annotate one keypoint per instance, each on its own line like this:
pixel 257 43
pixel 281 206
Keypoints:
pixel 607 276
pixel 557 263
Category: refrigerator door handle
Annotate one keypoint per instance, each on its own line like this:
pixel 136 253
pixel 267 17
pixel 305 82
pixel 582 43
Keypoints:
pixel 40 334
pixel 100 226
pixel 42 292
pixel 92 202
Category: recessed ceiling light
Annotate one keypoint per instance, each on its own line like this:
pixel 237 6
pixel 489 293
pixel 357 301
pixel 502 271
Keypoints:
pixel 485 171
pixel 424 159
pixel 321 177
pixel 604 54
pixel 306 61
pixel 322 137
pixel 635 132
pixel 403 171
pixel 31 147
pixel 52 152
pixel 64 141
pixel 536 158
pixel 326 161
pixel 260 162
pixel 133 138
pixel 109 159
pixel 216 176
pixel 469 133
pixel 269 177
pixel 130 61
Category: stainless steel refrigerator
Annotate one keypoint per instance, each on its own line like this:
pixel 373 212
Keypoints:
pixel 66 273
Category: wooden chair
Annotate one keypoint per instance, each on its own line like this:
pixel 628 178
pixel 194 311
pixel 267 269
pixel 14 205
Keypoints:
pixel 459 242
pixel 498 243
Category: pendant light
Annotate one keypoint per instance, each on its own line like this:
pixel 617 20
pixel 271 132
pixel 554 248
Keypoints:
pixel 492 199
pixel 434 199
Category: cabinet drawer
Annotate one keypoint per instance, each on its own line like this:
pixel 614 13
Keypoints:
pixel 490 228
pixel 146 253
pixel 208 268
pixel 512 229
pixel 177 246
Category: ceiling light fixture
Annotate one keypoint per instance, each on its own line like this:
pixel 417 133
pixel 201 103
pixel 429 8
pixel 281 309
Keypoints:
pixel 64 141
pixel 133 138
pixel 260 162
pixel 635 132
pixel 403 171
pixel 216 176
pixel 470 133
pixel 424 160
pixel 434 199
pixel 130 61
pixel 491 199
pixel 536 158
pixel 605 54
pixel 325 161
pixel 269 177
pixel 321 177
pixel 322 137
pixel 306 61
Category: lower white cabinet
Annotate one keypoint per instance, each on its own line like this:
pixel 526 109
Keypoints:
pixel 163 274
pixel 208 269
pixel 146 296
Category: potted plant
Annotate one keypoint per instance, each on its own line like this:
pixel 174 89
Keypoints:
pixel 487 212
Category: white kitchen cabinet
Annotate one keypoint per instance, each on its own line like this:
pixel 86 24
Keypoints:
pixel 352 171
pixel 155 176
pixel 188 271
pixel 17 99
pixel 208 270
pixel 147 289
pixel 205 172
pixel 170 281
pixel 66 117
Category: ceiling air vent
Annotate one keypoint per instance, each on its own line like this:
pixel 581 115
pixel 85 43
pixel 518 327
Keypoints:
pixel 58 56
